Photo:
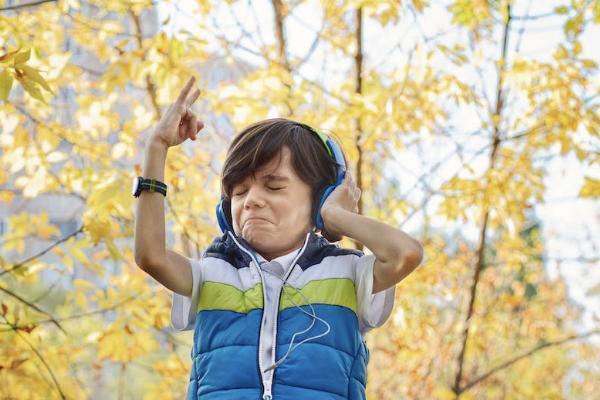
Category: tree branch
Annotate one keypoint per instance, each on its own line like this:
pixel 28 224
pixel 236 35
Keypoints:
pixel 278 10
pixel 22 263
pixel 358 70
pixel 480 261
pixel 39 355
pixel 532 17
pixel 30 326
pixel 150 86
pixel 36 308
pixel 32 4
pixel 513 360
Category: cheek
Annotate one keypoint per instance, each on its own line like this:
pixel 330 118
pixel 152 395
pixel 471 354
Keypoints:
pixel 297 212
pixel 235 212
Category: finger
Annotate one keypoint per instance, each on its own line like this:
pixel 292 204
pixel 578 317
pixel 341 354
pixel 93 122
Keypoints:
pixel 199 125
pixel 191 132
pixel 181 131
pixel 184 92
pixel 184 117
pixel 193 98
pixel 184 125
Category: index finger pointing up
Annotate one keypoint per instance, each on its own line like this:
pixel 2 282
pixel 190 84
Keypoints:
pixel 185 91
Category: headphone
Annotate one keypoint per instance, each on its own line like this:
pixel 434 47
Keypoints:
pixel 223 209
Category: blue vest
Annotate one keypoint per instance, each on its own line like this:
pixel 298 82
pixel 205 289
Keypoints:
pixel 231 332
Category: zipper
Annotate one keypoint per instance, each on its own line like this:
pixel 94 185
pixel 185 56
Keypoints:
pixel 267 383
pixel 287 275
pixel 267 392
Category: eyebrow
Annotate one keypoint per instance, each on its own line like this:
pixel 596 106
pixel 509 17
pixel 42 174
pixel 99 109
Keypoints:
pixel 272 177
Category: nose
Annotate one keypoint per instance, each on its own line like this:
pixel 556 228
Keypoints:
pixel 254 197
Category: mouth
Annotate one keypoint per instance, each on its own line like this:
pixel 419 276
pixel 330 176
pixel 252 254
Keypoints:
pixel 256 219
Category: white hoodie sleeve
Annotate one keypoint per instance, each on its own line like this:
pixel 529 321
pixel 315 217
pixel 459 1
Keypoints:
pixel 183 308
pixel 373 309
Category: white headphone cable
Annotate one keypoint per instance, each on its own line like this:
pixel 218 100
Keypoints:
pixel 314 316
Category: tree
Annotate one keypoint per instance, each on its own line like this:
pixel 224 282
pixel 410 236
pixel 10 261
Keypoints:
pixel 83 84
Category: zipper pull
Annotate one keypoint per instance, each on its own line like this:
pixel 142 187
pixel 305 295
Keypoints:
pixel 267 392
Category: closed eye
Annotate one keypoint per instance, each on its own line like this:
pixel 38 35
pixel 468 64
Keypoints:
pixel 270 188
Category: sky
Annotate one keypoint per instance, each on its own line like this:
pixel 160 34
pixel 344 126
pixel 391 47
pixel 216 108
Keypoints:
pixel 568 224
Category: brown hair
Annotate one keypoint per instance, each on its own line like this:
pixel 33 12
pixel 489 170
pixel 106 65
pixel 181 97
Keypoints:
pixel 260 142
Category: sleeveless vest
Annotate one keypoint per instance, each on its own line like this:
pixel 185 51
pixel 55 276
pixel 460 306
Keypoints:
pixel 238 330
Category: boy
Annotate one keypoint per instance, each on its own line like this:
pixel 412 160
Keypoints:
pixel 278 311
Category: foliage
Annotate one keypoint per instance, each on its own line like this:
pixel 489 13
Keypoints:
pixel 83 83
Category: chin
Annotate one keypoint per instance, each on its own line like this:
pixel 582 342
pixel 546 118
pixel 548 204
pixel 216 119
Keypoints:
pixel 255 238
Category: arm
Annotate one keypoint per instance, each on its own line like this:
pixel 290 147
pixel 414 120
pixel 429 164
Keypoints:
pixel 166 266
pixel 397 254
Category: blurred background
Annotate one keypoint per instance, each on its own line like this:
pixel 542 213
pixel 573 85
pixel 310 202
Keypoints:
pixel 472 125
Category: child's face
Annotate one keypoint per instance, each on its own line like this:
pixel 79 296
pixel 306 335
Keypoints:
pixel 284 206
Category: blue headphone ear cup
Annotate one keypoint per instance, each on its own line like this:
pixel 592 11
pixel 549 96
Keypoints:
pixel 316 206
pixel 324 193
pixel 319 220
pixel 223 212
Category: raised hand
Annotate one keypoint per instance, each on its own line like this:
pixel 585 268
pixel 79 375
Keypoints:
pixel 345 197
pixel 178 122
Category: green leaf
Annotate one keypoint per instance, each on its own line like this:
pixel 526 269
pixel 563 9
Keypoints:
pixel 530 291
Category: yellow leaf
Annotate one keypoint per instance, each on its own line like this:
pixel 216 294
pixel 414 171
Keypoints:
pixel 22 58
pixel 590 188
pixel 113 250
pixel 8 56
pixel 6 196
pixel 83 285
pixel 444 394
pixel 68 262
pixel 35 76
pixel 32 89
pixel 80 300
pixel 6 81
pixel 79 255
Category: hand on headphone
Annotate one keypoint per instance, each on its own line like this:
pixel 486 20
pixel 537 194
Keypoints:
pixel 346 197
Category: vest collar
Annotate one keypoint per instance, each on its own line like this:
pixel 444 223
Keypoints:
pixel 239 253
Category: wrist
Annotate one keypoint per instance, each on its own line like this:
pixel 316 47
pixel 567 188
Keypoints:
pixel 330 216
pixel 155 143
pixel 329 230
